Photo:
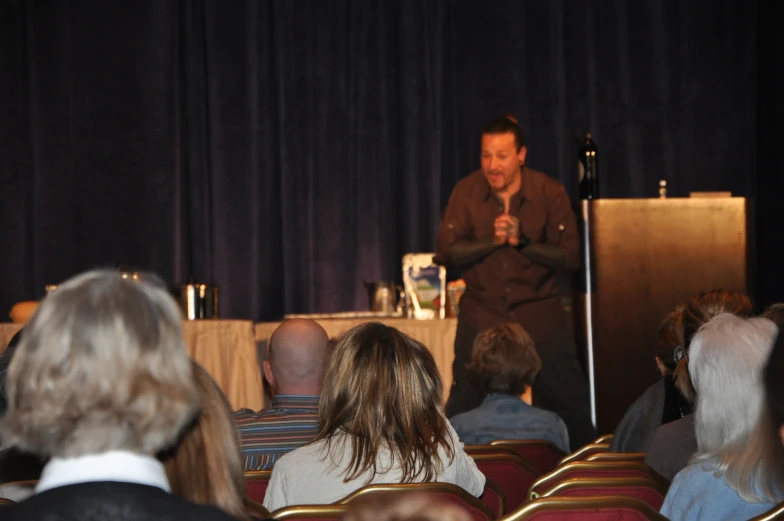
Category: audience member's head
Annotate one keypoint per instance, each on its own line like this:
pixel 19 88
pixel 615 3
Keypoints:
pixel 694 315
pixel 15 465
pixel 101 366
pixel 504 360
pixel 726 358
pixel 205 466
pixel 406 506
pixel 775 313
pixel 670 342
pixel 5 362
pixel 774 386
pixel 296 357
pixel 382 390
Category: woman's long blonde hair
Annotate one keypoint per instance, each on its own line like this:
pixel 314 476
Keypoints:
pixel 382 391
pixel 206 467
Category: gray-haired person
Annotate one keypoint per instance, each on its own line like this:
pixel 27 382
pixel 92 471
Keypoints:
pixel 100 383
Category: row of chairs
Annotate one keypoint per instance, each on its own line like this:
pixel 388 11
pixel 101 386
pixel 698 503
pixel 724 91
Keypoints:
pixel 519 471
pixel 617 508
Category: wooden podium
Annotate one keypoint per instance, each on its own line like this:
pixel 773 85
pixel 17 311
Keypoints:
pixel 642 258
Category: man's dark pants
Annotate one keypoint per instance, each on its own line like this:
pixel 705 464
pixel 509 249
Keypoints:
pixel 561 386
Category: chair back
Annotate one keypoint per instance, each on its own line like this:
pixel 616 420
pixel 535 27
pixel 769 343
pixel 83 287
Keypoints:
pixel 542 454
pixel 446 492
pixel 255 508
pixel 494 498
pixel 609 508
pixel 585 451
pixel 310 513
pixel 510 472
pixel 256 482
pixel 646 489
pixel 774 514
pixel 616 456
pixel 604 438
pixel 593 469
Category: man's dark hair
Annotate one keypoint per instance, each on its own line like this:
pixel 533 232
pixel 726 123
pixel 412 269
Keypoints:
pixel 506 125
pixel 504 360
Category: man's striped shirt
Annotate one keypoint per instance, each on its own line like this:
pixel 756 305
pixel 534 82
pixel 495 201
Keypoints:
pixel 269 434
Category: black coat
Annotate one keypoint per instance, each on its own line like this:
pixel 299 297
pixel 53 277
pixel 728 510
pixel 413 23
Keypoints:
pixel 109 500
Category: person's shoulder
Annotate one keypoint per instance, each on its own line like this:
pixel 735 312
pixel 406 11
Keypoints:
pixel 301 455
pixel 677 428
pixel 463 418
pixel 245 415
pixel 539 178
pixel 540 186
pixel 474 184
pixel 695 474
pixel 548 415
pixel 116 500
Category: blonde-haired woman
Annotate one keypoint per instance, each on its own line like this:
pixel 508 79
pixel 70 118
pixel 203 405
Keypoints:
pixel 382 421
pixel 206 467
pixel 733 475
pixel 101 383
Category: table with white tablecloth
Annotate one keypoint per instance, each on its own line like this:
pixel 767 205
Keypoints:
pixel 232 350
pixel 225 348
pixel 7 331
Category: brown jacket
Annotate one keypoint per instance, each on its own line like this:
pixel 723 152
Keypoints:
pixel 507 285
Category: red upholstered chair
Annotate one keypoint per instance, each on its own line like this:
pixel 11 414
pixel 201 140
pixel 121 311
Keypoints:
pixel 491 449
pixel 256 482
pixel 593 469
pixel 585 451
pixel 646 489
pixel 609 508
pixel 542 454
pixel 510 472
pixel 446 492
pixel 774 514
pixel 256 510
pixel 494 498
pixel 310 513
pixel 616 456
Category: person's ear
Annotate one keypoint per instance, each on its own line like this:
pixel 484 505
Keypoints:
pixel 267 367
pixel 528 395
pixel 521 155
pixel 662 368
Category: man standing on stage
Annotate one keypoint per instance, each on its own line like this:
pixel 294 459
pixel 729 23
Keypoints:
pixel 509 228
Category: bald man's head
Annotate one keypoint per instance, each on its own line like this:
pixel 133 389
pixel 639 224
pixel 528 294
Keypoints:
pixel 296 357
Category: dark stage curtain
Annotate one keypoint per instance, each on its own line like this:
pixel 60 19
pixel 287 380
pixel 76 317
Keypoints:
pixel 289 150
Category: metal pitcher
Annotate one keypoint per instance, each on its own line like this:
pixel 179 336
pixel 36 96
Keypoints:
pixel 385 296
pixel 197 300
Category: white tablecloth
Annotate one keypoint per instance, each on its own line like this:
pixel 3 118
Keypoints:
pixel 225 348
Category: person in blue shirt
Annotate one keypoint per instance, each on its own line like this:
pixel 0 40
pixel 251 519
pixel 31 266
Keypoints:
pixel 738 470
pixel 504 364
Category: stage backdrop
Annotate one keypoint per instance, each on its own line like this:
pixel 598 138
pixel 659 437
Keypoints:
pixel 289 150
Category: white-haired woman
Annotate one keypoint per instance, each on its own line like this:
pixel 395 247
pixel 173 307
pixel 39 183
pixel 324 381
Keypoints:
pixel 732 476
pixel 100 383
